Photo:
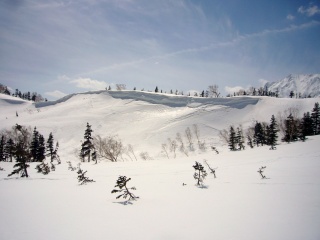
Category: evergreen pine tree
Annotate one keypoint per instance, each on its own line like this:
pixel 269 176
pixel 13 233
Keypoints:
pixel 9 150
pixel 94 156
pixel 22 155
pixel 240 139
pixel 302 132
pixel 259 135
pixel 273 133
pixel 156 90
pixel 232 139
pixel 200 173
pixel 87 144
pixel 291 129
pixel 49 146
pixel 34 144
pixel 291 94
pixel 308 124
pixel 315 115
pixel 267 135
pixel 2 148
pixel 41 150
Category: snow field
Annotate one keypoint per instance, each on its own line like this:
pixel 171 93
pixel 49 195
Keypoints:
pixel 238 204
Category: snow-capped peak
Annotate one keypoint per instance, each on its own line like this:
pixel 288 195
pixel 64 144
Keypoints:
pixel 302 85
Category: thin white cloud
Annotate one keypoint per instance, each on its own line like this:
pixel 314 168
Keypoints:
pixel 64 78
pixel 232 90
pixel 55 94
pixel 88 83
pixel 290 17
pixel 263 82
pixel 236 40
pixel 310 10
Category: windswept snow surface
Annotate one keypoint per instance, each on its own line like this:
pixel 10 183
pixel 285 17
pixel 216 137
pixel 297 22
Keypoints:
pixel 238 204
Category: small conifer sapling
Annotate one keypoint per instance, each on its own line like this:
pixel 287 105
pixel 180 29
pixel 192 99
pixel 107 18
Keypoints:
pixel 200 173
pixel 43 168
pixel 82 178
pixel 70 167
pixel 123 189
pixel 260 171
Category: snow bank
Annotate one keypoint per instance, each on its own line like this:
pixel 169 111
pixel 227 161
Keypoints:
pixel 163 99
pixel 182 101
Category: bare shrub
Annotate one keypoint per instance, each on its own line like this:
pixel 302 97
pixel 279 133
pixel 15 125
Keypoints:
pixel 189 138
pixel 109 148
pixel 250 136
pixel 129 151
pixel 145 156
pixel 196 132
pixel 120 87
pixel 201 145
pixel 165 149
pixel 181 144
pixel 19 133
pixel 173 146
pixel 224 136
pixel 213 90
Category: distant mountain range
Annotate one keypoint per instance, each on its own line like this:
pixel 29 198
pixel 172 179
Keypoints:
pixel 302 85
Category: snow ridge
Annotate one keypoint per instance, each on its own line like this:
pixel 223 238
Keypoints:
pixel 162 99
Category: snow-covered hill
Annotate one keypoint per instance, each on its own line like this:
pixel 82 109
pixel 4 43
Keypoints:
pixel 303 85
pixel 238 204
pixel 145 120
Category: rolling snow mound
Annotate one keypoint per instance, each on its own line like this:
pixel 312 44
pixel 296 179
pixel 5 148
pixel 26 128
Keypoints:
pixel 145 120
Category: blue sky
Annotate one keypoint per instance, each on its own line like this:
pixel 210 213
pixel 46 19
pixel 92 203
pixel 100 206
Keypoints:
pixel 59 47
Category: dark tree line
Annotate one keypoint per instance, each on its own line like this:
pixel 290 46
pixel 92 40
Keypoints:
pixel 264 91
pixel 23 146
pixel 267 134
pixel 30 96
pixel 259 135
pixel 299 129
pixel 236 139
pixel 4 90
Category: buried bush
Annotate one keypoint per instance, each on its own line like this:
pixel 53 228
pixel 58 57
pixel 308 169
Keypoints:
pixel 82 178
pixel 43 168
pixel 260 171
pixel 123 189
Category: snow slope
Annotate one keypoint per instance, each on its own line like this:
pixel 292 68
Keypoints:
pixel 300 84
pixel 238 204
pixel 142 119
